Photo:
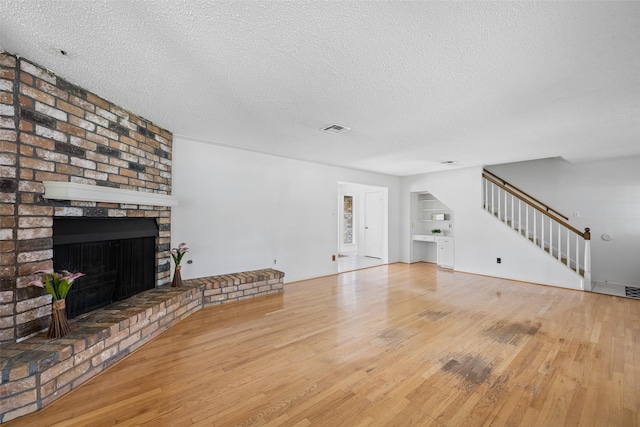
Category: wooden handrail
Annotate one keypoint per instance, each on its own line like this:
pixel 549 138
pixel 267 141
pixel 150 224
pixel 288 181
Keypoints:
pixel 586 234
pixel 547 207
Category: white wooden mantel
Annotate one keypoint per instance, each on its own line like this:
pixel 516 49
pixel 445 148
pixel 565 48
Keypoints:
pixel 94 193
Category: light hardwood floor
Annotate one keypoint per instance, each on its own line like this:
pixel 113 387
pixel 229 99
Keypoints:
pixel 394 345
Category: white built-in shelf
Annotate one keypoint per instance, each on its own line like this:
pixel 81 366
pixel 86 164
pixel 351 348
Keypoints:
pixel 428 209
pixel 93 193
pixel 439 248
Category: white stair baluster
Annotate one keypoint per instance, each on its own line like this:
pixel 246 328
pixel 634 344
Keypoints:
pixel 559 242
pixel 568 249
pixel 484 187
pixel 577 254
pixel 506 209
pixel 493 198
pixel 499 213
pixel 513 215
pixel 519 216
pixel 542 231
pixel 550 237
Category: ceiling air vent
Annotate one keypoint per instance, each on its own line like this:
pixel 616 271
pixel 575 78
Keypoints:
pixel 335 129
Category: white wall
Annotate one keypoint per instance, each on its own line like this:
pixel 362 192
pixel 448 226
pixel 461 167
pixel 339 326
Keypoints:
pixel 480 238
pixel 607 197
pixel 240 210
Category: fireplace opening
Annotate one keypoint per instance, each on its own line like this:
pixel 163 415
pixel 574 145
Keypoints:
pixel 117 256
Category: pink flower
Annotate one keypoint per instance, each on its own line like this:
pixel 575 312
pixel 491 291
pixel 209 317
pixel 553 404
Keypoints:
pixel 38 282
pixel 72 276
pixel 57 284
pixel 178 253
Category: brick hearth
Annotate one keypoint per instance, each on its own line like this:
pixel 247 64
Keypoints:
pixel 39 370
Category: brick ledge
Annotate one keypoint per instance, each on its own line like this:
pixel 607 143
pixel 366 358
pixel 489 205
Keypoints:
pixel 37 371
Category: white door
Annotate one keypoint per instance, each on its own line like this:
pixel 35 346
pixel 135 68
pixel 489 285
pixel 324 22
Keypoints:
pixel 373 225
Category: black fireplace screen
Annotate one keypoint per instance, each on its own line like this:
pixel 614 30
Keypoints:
pixel 117 257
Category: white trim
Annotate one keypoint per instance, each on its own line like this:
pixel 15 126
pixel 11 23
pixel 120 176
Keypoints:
pixel 95 193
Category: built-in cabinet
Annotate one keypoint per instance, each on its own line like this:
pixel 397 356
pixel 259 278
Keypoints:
pixel 445 252
pixel 429 214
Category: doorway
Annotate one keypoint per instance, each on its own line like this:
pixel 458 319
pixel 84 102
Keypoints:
pixel 362 226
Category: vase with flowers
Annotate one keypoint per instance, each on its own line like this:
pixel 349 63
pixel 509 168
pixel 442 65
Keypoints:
pixel 177 254
pixel 57 284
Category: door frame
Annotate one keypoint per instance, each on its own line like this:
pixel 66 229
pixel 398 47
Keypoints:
pixel 358 190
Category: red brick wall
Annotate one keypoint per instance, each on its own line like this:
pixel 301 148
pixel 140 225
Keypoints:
pixel 52 130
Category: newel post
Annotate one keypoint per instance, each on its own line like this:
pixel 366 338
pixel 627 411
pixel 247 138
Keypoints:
pixel 587 259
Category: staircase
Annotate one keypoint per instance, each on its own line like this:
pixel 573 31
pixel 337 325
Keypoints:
pixel 542 225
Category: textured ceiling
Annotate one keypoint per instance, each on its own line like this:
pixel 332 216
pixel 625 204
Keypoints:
pixel 417 82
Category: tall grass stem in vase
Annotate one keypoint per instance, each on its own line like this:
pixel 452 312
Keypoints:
pixel 177 254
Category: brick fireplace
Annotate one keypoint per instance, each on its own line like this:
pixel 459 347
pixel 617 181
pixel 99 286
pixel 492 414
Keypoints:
pixel 54 131
pixel 64 153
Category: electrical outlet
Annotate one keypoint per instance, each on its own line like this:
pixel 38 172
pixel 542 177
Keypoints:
pixel 499 260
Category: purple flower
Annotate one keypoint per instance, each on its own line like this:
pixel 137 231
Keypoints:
pixel 178 253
